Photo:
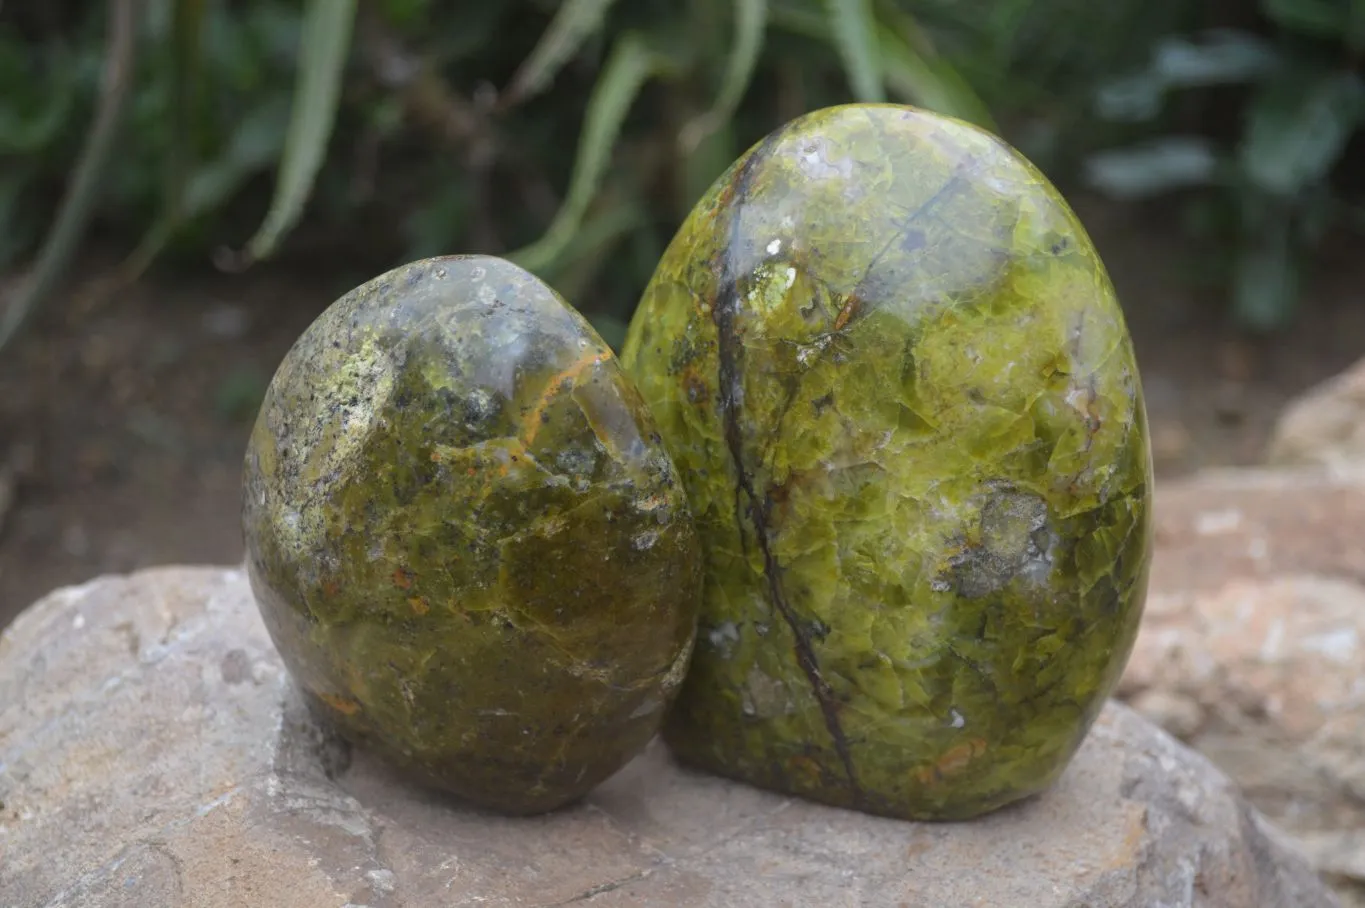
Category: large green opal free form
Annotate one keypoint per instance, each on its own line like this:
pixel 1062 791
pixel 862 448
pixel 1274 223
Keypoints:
pixel 894 376
pixel 465 538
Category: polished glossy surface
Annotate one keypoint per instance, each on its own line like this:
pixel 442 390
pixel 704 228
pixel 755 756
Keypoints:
pixel 465 537
pixel 898 386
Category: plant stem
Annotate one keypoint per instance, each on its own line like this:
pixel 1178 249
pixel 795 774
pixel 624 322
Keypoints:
pixel 74 214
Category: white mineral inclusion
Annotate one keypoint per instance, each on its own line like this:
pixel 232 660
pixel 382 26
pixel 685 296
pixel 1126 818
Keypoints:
pixel 815 161
pixel 769 291
pixel 723 637
pixel 647 707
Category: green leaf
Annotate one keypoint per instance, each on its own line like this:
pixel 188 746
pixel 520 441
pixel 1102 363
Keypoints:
pixel 631 64
pixel 256 142
pixel 31 136
pixel 610 328
pixel 1314 18
pixel 597 246
pixel 240 393
pixel 1152 168
pixel 1265 284
pixel 800 20
pixel 929 81
pixel 1135 98
pixel 855 37
pixel 13 235
pixel 444 215
pixel 88 179
pixel 187 29
pixel 575 21
pixel 704 164
pixel 404 13
pixel 1298 127
pixel 34 111
pixel 1355 26
pixel 1224 57
pixel 324 48
pixel 751 20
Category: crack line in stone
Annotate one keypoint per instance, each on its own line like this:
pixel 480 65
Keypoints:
pixel 729 378
pixel 606 887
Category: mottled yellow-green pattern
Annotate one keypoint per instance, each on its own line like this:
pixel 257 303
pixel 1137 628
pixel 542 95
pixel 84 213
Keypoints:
pixel 898 386
pixel 465 537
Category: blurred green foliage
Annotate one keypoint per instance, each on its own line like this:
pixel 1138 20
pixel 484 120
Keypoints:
pixel 573 136
pixel 1272 182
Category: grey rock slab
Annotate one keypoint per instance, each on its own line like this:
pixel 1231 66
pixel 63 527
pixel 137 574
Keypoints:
pixel 153 752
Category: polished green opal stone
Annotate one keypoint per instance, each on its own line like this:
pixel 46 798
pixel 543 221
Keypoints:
pixel 897 383
pixel 465 537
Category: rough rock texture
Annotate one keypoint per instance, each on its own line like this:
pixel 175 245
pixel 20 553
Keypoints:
pixel 467 540
pixel 1326 426
pixel 893 374
pixel 1253 647
pixel 154 754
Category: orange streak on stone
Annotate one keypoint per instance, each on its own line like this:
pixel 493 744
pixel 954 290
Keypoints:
pixel 340 704
pixel 846 313
pixel 532 422
pixel 953 761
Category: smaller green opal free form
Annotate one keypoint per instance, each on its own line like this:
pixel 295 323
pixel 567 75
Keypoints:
pixel 894 376
pixel 465 537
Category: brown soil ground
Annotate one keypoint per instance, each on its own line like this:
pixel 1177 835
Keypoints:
pixel 122 429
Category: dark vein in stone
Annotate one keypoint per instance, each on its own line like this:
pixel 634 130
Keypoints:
pixel 606 887
pixel 730 381
pixel 855 300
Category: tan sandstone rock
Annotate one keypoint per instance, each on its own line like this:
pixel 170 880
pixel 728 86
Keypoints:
pixel 1326 426
pixel 152 753
pixel 1252 648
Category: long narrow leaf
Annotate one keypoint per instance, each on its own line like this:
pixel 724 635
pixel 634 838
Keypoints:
pixel 186 53
pixel 1265 285
pixel 14 235
pixel 187 29
pixel 700 166
pixel 1355 26
pixel 254 145
pixel 1153 168
pixel 1223 57
pixel 631 64
pixel 855 35
pixel 595 245
pixel 800 20
pixel 751 21
pixel 325 47
pixel 21 135
pixel 1315 18
pixel 1297 129
pixel 73 216
pixel 930 82
pixel 571 26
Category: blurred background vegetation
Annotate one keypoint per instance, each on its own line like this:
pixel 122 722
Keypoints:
pixel 575 135
pixel 185 184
